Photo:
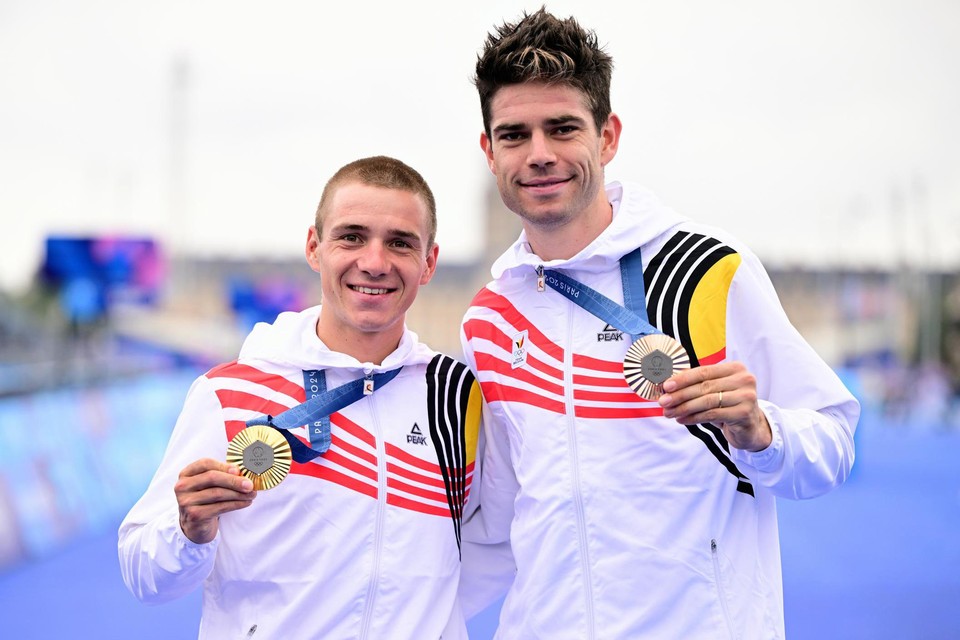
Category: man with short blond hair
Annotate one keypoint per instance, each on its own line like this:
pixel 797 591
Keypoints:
pixel 376 434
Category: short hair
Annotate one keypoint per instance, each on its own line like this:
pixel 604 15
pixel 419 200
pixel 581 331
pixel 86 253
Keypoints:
pixel 542 48
pixel 380 171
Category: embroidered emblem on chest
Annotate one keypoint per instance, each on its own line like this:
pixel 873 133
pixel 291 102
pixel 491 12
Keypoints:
pixel 519 356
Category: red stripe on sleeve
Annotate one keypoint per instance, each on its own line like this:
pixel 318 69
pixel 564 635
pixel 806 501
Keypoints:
pixel 230 399
pixel 251 374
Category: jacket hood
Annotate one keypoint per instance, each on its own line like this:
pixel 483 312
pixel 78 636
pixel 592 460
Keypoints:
pixel 291 340
pixel 633 208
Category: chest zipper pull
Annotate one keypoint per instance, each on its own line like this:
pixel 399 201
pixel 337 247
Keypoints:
pixel 367 379
pixel 541 283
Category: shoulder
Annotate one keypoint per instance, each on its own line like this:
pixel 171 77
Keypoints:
pixel 496 295
pixel 693 246
pixel 450 369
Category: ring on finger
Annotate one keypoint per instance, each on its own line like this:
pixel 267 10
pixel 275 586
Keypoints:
pixel 719 399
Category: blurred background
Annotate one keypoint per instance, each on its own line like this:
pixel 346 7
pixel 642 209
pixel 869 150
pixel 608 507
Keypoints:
pixel 160 164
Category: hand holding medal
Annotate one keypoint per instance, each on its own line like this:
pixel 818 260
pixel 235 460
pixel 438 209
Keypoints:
pixel 205 490
pixel 724 394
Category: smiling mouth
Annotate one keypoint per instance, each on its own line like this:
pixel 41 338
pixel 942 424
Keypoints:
pixel 373 291
pixel 540 184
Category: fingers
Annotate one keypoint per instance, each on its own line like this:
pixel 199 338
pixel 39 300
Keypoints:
pixel 707 379
pixel 205 490
pixel 712 406
pixel 713 393
pixel 209 472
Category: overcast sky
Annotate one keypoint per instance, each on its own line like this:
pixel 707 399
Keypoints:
pixel 817 131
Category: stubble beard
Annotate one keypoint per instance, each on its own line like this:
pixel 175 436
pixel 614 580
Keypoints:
pixel 547 217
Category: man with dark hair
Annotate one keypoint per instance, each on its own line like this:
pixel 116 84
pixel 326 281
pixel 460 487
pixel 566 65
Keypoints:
pixel 365 437
pixel 647 397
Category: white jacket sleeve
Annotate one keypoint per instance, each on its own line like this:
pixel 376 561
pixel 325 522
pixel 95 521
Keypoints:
pixel 487 566
pixel 157 561
pixel 811 413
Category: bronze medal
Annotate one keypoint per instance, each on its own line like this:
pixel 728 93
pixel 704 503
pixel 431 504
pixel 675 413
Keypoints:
pixel 650 360
pixel 262 454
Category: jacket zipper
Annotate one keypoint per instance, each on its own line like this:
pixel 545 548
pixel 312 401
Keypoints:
pixel 377 526
pixel 575 471
pixel 720 594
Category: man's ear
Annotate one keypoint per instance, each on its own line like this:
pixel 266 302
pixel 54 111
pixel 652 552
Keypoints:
pixel 431 264
pixel 312 248
pixel 487 145
pixel 610 139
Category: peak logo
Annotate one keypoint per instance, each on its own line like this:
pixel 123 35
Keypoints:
pixel 610 334
pixel 416 436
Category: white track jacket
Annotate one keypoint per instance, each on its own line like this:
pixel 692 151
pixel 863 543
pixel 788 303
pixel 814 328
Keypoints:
pixel 362 542
pixel 624 524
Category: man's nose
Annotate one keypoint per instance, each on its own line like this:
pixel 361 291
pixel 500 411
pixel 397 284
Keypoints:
pixel 541 150
pixel 374 259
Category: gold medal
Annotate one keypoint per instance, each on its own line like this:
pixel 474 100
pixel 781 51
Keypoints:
pixel 262 454
pixel 650 361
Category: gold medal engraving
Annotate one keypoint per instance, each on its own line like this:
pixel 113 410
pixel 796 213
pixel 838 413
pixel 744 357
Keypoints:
pixel 650 361
pixel 261 454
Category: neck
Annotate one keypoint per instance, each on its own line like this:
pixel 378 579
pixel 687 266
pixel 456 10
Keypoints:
pixel 371 347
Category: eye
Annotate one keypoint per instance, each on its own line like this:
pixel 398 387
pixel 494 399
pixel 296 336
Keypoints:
pixel 400 244
pixel 566 129
pixel 351 237
pixel 512 136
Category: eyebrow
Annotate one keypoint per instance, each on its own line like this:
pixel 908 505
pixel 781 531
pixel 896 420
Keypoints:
pixel 413 238
pixel 564 119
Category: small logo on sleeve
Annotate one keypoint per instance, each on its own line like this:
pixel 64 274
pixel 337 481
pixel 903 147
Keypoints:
pixel 519 356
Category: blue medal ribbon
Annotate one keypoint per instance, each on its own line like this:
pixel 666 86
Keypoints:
pixel 318 432
pixel 631 318
pixel 315 412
